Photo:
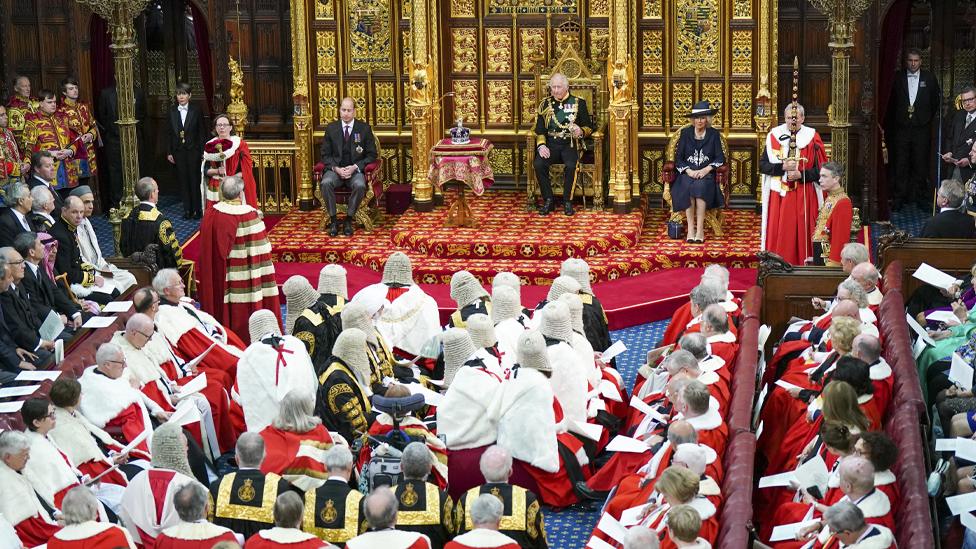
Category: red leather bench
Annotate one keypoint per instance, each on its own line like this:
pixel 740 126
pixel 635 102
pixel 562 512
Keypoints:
pixel 736 513
pixel 744 369
pixel 912 515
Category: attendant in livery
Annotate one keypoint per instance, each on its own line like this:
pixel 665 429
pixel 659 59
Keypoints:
pixel 470 296
pixel 224 155
pixel 147 225
pixel 287 534
pixel 914 103
pixel 833 228
pixel 423 507
pixel 561 125
pixel 82 528
pixel 347 148
pixel 48 130
pixel 698 155
pixel 318 325
pixel 83 127
pixel 380 510
pixel 244 500
pixel 344 393
pixel 13 167
pixel 522 515
pixel 186 133
pixel 237 276
pixel 959 137
pixel 21 106
pixel 790 165
pixel 486 517
pixel 32 520
pixel 193 531
pixel 334 511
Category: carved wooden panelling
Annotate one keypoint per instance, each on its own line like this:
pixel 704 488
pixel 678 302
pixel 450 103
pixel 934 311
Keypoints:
pixel 464 48
pixel 500 104
pixel 498 49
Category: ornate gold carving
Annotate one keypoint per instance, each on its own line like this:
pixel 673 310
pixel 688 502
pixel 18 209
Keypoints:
pixel 653 52
pixel 324 10
pixel 741 167
pixel 599 8
pixel 652 9
pixel 599 43
pixel 500 103
pixel 325 52
pixel 653 105
pixel 302 110
pixel 742 9
pixel 568 36
pixel 742 52
pixel 406 9
pixel 713 92
pixel 462 8
pixel 498 49
pixel 407 54
pixel 681 100
pixel 466 99
pixel 698 36
pixel 328 102
pixel 532 48
pixel 502 161
pixel 742 104
pixel 465 49
pixel 370 35
pixel 652 160
pixel 529 101
pixel 357 90
pixel 237 109
pixel 532 6
pixel 385 103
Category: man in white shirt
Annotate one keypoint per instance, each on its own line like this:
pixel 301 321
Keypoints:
pixel 40 217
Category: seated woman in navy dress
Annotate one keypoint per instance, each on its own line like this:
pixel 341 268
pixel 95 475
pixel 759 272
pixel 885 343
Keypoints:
pixel 698 155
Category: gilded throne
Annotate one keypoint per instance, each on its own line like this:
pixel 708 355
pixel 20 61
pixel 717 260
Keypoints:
pixel 369 209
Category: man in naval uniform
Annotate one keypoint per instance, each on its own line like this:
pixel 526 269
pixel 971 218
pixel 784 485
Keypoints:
pixel 521 506
pixel 244 500
pixel 334 511
pixel 560 127
pixel 423 507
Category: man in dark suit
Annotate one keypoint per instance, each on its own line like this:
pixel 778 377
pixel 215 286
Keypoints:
pixel 12 358
pixel 347 148
pixel 20 318
pixel 187 134
pixel 915 102
pixel 950 222
pixel 959 137
pixel 44 294
pixel 43 174
pixel 106 115
pixel 14 218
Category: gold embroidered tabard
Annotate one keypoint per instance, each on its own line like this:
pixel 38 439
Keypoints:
pixel 335 520
pixel 820 233
pixel 240 501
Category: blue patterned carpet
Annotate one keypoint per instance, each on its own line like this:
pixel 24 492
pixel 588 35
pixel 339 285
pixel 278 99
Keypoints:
pixel 170 206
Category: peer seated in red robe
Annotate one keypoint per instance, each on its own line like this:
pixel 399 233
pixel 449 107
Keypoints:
pixel 868 348
pixel 82 530
pixel 718 275
pixel 31 519
pixel 708 292
pixel 380 508
pixel 867 276
pixel 684 525
pixel 296 441
pixel 486 517
pixel 194 531
pixel 813 331
pixel 287 534
pixel 852 531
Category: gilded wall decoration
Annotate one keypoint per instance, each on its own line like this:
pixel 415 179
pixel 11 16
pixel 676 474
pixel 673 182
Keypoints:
pixel 502 161
pixel 713 93
pixel 324 10
pixel 530 104
pixel 370 35
pixel 742 9
pixel 328 102
pixel 698 36
pixel 500 104
pixel 652 9
pixel 651 162
pixel 652 51
pixel 531 6
pixel 462 8
pixel 325 52
pixel 599 43
pixel 385 102
pixel 653 105
pixel 407 53
pixel 406 10
pixel 742 52
pixel 498 49
pixel 568 35
pixel 681 102
pixel 357 90
pixel 464 49
pixel 599 8
pixel 532 48
pixel 391 164
pixel 742 104
pixel 741 172
pixel 466 100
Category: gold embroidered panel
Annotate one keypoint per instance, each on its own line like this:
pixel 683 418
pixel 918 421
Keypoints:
pixel 370 35
pixel 357 90
pixel 712 92
pixel 682 102
pixel 653 104
pixel 742 104
pixel 466 100
pixel 502 160
pixel 599 8
pixel 498 49
pixel 741 167
pixel 324 10
pixel 600 43
pixel 529 101
pixel 500 101
pixel 652 51
pixel 524 7
pixel 532 48
pixel 652 9
pixel 742 9
pixel 325 51
pixel 742 52
pixel 328 102
pixel 697 37
pixel 464 48
pixel 385 104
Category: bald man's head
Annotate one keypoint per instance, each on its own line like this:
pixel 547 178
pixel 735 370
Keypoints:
pixel 496 464
pixel 867 348
pixel 73 210
pixel 866 274
pixel 138 330
pixel 846 307
pixel 856 476
pixel 681 432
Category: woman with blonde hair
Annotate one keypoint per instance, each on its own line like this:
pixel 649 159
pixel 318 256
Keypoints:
pixel 294 442
pixel 678 486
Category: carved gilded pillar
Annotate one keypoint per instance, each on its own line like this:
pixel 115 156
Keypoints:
pixel 622 129
pixel 237 109
pixel 304 155
pixel 120 14
pixel 421 102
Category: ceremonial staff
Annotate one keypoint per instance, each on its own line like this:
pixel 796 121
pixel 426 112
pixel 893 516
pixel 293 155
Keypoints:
pixel 793 153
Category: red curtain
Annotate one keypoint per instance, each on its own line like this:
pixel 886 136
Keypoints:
pixel 892 36
pixel 102 64
pixel 202 36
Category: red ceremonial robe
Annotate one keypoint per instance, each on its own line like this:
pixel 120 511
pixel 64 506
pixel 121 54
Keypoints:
pixel 236 274
pixel 284 538
pixel 389 539
pixel 481 538
pixel 236 159
pixel 21 507
pixel 296 456
pixel 875 506
pixel 194 535
pixel 91 535
pixel 186 329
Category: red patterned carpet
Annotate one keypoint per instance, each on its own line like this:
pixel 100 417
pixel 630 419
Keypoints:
pixel 509 238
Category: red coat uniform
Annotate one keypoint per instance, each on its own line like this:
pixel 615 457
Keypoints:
pixel 81 122
pixel 833 228
pixel 193 535
pixel 52 132
pixel 235 157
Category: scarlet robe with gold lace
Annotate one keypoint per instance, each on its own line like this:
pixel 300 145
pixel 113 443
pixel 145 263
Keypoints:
pixel 81 122
pixel 52 132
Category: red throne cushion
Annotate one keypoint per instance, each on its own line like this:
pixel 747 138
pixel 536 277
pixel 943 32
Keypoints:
pixel 669 174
